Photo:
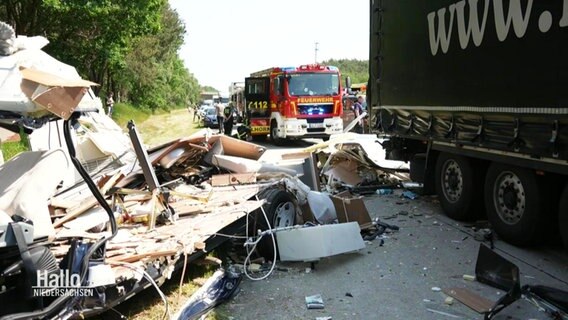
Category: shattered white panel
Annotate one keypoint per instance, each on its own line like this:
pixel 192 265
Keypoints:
pixel 372 147
pixel 313 243
pixel 11 96
pixel 27 182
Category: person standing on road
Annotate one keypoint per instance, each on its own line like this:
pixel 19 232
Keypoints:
pixel 219 110
pixel 358 110
pixel 229 112
pixel 110 103
pixel 195 113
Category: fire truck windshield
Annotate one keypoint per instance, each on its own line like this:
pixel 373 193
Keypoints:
pixel 313 84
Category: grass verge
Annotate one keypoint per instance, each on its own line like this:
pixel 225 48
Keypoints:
pixel 123 112
pixel 147 305
pixel 11 148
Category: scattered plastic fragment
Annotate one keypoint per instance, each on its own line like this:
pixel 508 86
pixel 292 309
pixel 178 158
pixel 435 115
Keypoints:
pixel 468 277
pixel 409 195
pixel 384 191
pixel 314 302
pixel 218 289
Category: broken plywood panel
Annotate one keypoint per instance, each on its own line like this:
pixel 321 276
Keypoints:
pixel 219 196
pixel 474 301
pixel 55 94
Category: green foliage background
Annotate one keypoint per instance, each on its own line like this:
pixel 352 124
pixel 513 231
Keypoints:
pixel 358 70
pixel 127 46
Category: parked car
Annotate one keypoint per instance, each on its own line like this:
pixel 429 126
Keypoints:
pixel 210 118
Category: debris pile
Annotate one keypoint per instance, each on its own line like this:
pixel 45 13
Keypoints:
pixel 356 162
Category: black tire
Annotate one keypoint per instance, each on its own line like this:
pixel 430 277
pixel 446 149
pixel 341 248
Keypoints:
pixel 280 208
pixel 514 204
pixel 563 217
pixel 458 187
pixel 259 138
pixel 273 134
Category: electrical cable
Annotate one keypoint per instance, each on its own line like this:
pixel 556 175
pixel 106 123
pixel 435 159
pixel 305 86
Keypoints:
pixel 184 266
pixel 145 274
pixel 49 136
pixel 118 313
pixel 247 259
pixel 58 134
pixel 96 193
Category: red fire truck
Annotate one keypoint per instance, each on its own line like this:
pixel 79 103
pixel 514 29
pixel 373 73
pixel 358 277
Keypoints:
pixel 294 102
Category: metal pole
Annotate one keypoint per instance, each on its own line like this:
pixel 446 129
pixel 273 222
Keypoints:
pixel 316 53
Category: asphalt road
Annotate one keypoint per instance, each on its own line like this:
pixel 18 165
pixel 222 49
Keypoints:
pixel 396 280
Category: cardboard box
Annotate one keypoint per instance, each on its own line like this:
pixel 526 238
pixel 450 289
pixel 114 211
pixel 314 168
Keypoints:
pixel 348 207
pixel 351 208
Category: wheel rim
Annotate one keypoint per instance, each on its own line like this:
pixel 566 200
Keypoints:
pixel 273 132
pixel 509 197
pixel 452 181
pixel 284 214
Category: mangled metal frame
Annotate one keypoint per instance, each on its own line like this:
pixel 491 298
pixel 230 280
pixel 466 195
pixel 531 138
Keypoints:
pixel 180 241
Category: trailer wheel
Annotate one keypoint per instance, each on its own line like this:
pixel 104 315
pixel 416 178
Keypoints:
pixel 563 216
pixel 457 187
pixel 280 208
pixel 514 203
pixel 274 134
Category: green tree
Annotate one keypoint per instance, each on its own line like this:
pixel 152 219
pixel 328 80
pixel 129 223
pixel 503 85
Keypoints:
pixel 209 89
pixel 96 35
pixel 357 70
pixel 127 46
pixel 154 76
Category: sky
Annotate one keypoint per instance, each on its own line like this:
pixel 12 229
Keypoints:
pixel 226 40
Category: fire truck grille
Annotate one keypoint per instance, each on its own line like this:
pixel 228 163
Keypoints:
pixel 315 125
pixel 314 109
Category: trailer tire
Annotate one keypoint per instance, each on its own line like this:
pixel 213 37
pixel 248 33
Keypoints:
pixel 513 201
pixel 281 209
pixel 563 216
pixel 458 187
pixel 274 134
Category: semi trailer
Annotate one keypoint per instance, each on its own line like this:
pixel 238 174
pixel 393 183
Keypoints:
pixel 473 94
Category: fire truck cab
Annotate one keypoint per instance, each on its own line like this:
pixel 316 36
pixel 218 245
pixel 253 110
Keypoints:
pixel 294 102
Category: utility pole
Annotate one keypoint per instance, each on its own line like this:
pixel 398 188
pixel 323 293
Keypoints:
pixel 316 53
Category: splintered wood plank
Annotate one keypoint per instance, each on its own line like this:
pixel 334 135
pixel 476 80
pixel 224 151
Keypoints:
pixel 471 299
pixel 232 179
pixel 203 226
pixel 137 257
pixel 62 203
pixel 229 196
pixel 77 211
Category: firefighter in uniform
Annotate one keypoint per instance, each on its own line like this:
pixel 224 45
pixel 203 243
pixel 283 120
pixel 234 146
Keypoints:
pixel 229 114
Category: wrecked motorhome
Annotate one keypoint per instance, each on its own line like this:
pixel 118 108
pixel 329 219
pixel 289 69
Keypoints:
pixel 89 218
